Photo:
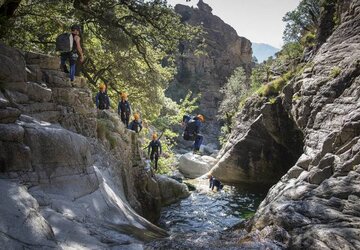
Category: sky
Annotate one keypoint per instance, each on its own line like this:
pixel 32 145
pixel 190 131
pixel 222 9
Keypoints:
pixel 259 21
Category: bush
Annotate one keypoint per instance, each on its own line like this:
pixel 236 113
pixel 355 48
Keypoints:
pixel 309 39
pixel 335 71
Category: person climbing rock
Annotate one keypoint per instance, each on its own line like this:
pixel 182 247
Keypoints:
pixel 192 130
pixel 102 99
pixel 214 183
pixel 124 109
pixel 70 47
pixel 135 125
pixel 155 148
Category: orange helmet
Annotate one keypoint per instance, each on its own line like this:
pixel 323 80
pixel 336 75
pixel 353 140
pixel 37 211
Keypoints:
pixel 123 95
pixel 154 136
pixel 102 86
pixel 201 118
pixel 136 116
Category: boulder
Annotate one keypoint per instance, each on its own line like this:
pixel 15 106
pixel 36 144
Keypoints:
pixel 43 61
pixel 209 149
pixel 56 79
pixel 12 65
pixel 16 97
pixel 9 115
pixel 79 99
pixel 39 93
pixel 193 166
pixel 33 73
pixel 171 191
pixel 4 102
pixel 11 132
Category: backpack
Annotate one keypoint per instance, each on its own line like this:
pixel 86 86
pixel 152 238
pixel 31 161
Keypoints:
pixel 134 125
pixel 189 132
pixel 64 42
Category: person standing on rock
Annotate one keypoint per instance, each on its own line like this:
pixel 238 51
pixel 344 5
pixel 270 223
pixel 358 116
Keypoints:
pixel 135 125
pixel 192 130
pixel 73 52
pixel 124 109
pixel 155 148
pixel 102 99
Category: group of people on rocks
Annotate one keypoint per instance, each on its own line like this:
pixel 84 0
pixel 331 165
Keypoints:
pixel 69 44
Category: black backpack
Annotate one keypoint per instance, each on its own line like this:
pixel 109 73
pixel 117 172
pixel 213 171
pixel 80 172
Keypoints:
pixel 189 132
pixel 64 42
pixel 134 125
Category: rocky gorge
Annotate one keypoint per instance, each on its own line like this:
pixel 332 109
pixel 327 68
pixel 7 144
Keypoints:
pixel 71 176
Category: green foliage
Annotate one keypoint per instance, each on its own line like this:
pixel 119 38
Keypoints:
pixel 273 88
pixel 335 71
pixel 304 18
pixel 296 98
pixel 128 45
pixel 272 100
pixel 232 92
pixel 309 39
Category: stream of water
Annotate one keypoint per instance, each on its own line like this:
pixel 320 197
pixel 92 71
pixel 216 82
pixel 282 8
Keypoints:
pixel 209 211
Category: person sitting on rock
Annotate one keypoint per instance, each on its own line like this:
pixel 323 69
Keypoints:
pixel 73 55
pixel 155 148
pixel 124 109
pixel 135 125
pixel 102 99
pixel 192 130
pixel 214 183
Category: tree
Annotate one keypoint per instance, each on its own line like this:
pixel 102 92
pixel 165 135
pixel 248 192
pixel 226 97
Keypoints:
pixel 125 42
pixel 232 91
pixel 303 19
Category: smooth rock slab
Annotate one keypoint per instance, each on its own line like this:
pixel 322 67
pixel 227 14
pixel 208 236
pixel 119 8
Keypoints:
pixel 53 146
pixel 22 226
pixel 193 166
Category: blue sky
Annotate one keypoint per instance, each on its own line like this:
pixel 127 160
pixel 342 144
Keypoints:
pixel 258 20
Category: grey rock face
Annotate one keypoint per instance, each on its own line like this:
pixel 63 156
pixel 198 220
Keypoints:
pixel 18 207
pixel 206 74
pixel 12 68
pixel 314 203
pixel 77 188
pixel 263 146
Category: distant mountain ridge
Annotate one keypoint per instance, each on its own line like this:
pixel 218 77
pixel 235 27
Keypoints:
pixel 263 51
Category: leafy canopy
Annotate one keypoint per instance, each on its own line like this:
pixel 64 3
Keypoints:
pixel 129 45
